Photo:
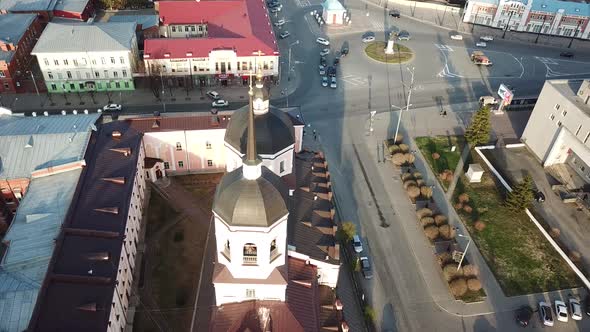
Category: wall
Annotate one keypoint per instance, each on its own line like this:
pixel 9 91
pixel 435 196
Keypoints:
pixel 328 273
pixel 228 293
pixel 272 162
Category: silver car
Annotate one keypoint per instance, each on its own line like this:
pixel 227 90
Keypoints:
pixel 333 83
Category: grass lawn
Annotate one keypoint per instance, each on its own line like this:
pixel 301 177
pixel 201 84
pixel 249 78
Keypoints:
pixel 441 145
pixel 472 296
pixel 516 252
pixel 376 51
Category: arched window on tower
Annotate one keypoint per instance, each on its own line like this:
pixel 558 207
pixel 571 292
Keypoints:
pixel 226 250
pixel 250 253
pixel 274 251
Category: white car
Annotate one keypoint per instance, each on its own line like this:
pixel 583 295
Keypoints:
pixel 111 107
pixel 280 22
pixel 333 83
pixel 325 52
pixel 575 308
pixel 323 41
pixel 284 34
pixel 276 9
pixel 220 103
pixel 368 39
pixel 481 44
pixel 325 81
pixel 561 311
pixel 213 95
pixel 356 243
pixel 457 37
pixel 486 38
pixel 545 314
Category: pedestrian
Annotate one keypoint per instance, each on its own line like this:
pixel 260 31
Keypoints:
pixel 444 113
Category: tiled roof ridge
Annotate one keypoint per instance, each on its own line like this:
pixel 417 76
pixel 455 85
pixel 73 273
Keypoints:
pixel 110 33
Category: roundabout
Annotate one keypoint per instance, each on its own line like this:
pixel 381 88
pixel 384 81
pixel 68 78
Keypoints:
pixel 376 51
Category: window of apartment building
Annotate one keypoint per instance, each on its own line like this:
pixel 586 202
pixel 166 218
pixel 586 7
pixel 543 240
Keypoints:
pixel 578 130
pixel 72 86
pixel 122 60
pixel 104 62
pixel 93 61
pixel 46 61
pixel 56 62
pixel 265 65
pixel 586 138
pixel 108 85
pixel 229 66
pixel 113 60
pixel 208 145
pixel 6 86
pixel 115 74
pixel 551 117
pixel 126 84
pixel 180 164
pixel 271 65
pixel 106 74
pixel 96 74
pixel 557 106
pixel 186 28
pixel 563 113
pixel 53 87
pixel 217 66
pixel 178 146
pixel 173 28
pixel 2 73
pixel 117 85
pixel 192 28
pixel 166 165
pixel 244 65
pixel 200 28
pixel 83 60
pixel 124 72
pixel 50 75
pixel 65 62
pixel 99 85
pixel 209 162
pixel 250 293
pixel 81 85
pixel 559 123
pixel 282 166
pixel 75 62
pixel 88 76
pixel 60 76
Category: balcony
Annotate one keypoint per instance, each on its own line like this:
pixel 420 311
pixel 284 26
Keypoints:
pixel 250 260
pixel 274 254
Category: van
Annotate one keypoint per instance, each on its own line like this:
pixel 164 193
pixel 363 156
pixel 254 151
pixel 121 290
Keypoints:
pixel 213 94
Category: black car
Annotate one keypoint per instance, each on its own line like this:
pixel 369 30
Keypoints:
pixel 273 4
pixel 366 268
pixel 523 315
pixel 323 61
pixel 539 197
pixel 394 13
pixel 587 305
pixel 331 71
pixel 336 61
pixel 344 51
pixel 566 54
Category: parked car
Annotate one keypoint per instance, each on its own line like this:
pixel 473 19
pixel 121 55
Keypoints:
pixel 366 268
pixel 561 311
pixel 575 308
pixel 545 314
pixel 486 38
pixel 403 35
pixel 276 9
pixel 325 52
pixel 368 39
pixel 539 196
pixel 323 61
pixel 271 1
pixel 220 103
pixel 344 50
pixel 331 71
pixel 356 243
pixel 587 305
pixel 336 60
pixel 481 44
pixel 457 37
pixel 213 94
pixel 284 34
pixel 566 54
pixel 280 22
pixel 322 70
pixel 394 13
pixel 333 84
pixel 273 4
pixel 523 315
pixel 324 81
pixel 111 107
pixel 322 41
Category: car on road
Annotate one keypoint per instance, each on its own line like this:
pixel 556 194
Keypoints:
pixel 322 41
pixel 403 35
pixel 322 70
pixel 523 315
pixel 213 94
pixel 325 52
pixel 324 81
pixel 344 50
pixel 366 268
pixel 566 54
pixel 111 107
pixel 587 308
pixel 575 308
pixel 457 37
pixel 394 13
pixel 545 314
pixel 486 38
pixel 276 9
pixel 368 39
pixel 220 103
pixel 561 311
pixel 356 243
pixel 481 44
pixel 280 22
pixel 284 34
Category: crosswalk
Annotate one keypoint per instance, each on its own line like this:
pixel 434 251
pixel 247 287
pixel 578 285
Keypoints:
pixel 547 61
pixel 303 3
pixel 443 47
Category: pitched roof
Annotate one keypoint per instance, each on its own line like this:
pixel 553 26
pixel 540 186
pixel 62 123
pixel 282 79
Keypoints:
pixel 249 316
pixel 146 21
pixel 31 236
pixel 87 232
pixel 240 25
pixel 32 143
pixel 12 29
pixel 27 5
pixel 333 5
pixel 84 37
pixel 74 6
pixel 173 123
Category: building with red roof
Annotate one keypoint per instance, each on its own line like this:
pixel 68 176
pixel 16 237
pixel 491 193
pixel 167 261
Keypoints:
pixel 211 40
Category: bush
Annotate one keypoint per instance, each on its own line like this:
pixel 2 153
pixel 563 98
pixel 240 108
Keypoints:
pixel 413 191
pixel 446 175
pixel 575 256
pixel 458 206
pixel 436 156
pixel 426 192
pixel 355 265
pixel 473 284
pixel 424 212
pixel 446 232
pixel 445 258
pixel 440 219
pixel 410 158
pixel 398 159
pixel 458 287
pixel 408 183
pixel 470 270
pixel 554 232
pixel 450 271
pixel 404 148
pixel 467 208
pixel 393 149
pixel 463 198
pixel 347 231
pixel 479 225
pixel 369 313
pixel 407 176
pixel 420 182
pixel 397 140
pixel 427 221
pixel 431 232
pixel 417 175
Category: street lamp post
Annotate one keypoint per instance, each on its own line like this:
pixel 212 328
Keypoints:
pixel 507 24
pixel 163 91
pixel 542 26
pixel 289 70
pixel 35 84
pixel 401 111
pixel 475 20
pixel 464 252
pixel 575 34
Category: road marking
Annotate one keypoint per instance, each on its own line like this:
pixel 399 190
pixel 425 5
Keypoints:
pixel 547 61
pixel 314 27
pixel 303 3
pixel 354 80
pixel 443 47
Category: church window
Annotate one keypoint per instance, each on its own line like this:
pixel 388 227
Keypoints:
pixel 227 250
pixel 210 163
pixel 178 146
pixel 282 166
pixel 208 145
pixel 180 164
pixel 250 293
pixel 166 165
pixel 250 253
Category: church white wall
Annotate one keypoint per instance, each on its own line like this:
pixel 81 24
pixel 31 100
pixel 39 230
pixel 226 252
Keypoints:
pixel 327 273
pixel 228 293
pixel 272 162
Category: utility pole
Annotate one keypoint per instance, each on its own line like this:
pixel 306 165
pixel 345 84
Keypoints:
pixel 163 91
pixel 507 24
pixel 401 111
pixel 464 252
pixel 35 84
pixel 474 21
pixel 542 26
pixel 575 34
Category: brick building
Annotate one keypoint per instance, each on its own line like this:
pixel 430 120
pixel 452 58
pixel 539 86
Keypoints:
pixel 47 9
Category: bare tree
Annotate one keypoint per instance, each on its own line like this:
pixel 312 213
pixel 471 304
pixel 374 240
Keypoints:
pixel 155 81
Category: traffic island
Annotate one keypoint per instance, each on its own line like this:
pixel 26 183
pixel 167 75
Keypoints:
pixel 376 51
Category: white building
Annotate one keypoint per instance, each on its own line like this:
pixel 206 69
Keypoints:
pixel 333 12
pixel 88 57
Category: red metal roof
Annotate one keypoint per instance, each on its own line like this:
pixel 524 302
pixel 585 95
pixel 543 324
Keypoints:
pixel 173 123
pixel 239 25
